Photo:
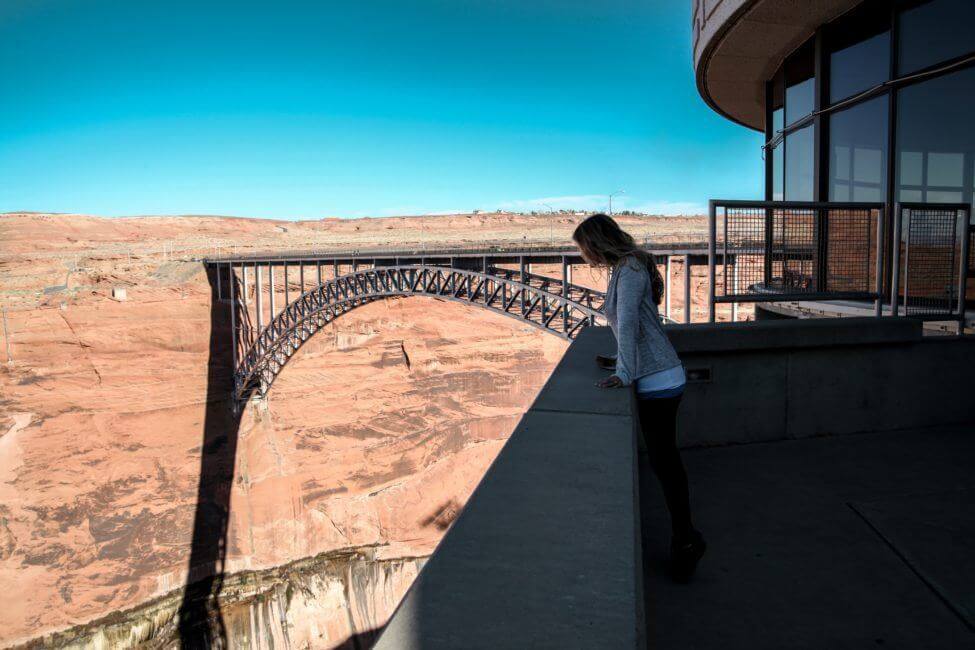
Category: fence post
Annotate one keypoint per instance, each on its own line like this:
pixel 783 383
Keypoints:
pixel 895 263
pixel 881 220
pixel 712 244
pixel 963 267
pixel 667 290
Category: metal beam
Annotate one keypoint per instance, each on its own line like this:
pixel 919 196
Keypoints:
pixel 667 289
pixel 270 286
pixel 259 292
pixel 687 288
pixel 233 322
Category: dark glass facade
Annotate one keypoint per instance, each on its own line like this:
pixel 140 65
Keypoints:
pixel 936 140
pixel 858 152
pixel 890 76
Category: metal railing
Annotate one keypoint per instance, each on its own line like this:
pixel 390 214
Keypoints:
pixel 773 251
pixel 931 260
pixel 784 251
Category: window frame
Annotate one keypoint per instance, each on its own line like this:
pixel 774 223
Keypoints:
pixel 823 108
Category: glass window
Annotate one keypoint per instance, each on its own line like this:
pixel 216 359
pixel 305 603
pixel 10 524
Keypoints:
pixel 859 67
pixel 800 85
pixel 935 140
pixel 799 162
pixel 934 32
pixel 858 152
pixel 799 100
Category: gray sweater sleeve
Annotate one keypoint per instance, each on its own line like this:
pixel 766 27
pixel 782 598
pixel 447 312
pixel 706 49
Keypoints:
pixel 630 289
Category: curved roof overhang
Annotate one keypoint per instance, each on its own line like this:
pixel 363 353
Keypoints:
pixel 739 45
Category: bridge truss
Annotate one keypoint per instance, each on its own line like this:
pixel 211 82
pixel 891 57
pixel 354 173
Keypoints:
pixel 265 336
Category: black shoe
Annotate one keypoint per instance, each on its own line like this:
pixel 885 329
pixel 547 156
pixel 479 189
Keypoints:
pixel 684 556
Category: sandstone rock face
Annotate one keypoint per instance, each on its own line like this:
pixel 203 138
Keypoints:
pixel 337 486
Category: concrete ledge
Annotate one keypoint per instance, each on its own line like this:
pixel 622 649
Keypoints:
pixel 774 380
pixel 547 551
pixel 792 334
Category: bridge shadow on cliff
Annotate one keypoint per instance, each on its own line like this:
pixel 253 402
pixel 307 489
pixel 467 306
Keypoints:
pixel 200 622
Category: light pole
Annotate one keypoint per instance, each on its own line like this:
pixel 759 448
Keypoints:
pixel 551 235
pixel 611 199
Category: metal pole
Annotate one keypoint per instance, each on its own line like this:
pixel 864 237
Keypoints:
pixel 286 301
pixel 318 265
pixel 243 283
pixel 233 326
pixel 521 277
pixel 667 289
pixel 712 244
pixel 258 292
pixel 301 274
pixel 879 269
pixel 734 282
pixel 335 268
pixel 270 287
pixel 963 268
pixel 219 283
pixel 895 276
pixel 565 296
pixel 687 288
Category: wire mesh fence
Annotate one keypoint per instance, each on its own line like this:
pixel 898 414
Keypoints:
pixel 794 250
pixel 931 253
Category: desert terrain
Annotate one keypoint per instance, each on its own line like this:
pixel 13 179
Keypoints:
pixel 343 480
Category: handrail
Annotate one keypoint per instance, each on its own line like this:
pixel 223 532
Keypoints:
pixel 813 252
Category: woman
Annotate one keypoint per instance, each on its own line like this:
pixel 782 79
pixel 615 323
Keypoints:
pixel 645 358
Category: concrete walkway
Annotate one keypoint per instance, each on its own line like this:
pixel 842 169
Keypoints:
pixel 858 541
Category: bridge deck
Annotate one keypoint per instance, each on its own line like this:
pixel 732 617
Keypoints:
pixel 537 254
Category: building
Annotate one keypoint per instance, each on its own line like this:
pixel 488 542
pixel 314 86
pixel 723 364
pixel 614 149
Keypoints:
pixel 838 86
pixel 860 101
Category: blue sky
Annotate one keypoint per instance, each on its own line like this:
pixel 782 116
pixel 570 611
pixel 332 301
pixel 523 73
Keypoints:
pixel 311 109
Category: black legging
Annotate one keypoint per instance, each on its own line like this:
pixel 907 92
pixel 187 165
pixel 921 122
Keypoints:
pixel 658 421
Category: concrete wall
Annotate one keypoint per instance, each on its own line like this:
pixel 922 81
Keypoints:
pixel 770 380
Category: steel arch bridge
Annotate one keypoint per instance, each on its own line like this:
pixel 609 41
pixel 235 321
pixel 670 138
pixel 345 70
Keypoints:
pixel 499 279
pixel 539 301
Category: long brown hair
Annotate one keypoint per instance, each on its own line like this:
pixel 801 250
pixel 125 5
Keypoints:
pixel 604 244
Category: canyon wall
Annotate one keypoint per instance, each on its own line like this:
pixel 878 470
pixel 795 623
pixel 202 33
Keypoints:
pixel 119 449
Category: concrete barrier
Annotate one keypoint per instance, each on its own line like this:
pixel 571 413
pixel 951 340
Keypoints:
pixel 773 380
pixel 547 552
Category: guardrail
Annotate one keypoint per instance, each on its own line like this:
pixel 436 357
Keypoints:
pixel 784 251
pixel 795 250
pixel 931 260
pixel 515 248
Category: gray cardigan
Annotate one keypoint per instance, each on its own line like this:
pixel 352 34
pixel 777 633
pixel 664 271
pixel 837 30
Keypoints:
pixel 642 345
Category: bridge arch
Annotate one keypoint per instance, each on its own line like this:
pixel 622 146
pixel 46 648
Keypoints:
pixel 536 302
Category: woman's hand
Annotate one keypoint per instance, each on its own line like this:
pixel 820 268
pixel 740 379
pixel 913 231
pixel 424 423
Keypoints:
pixel 606 363
pixel 610 382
